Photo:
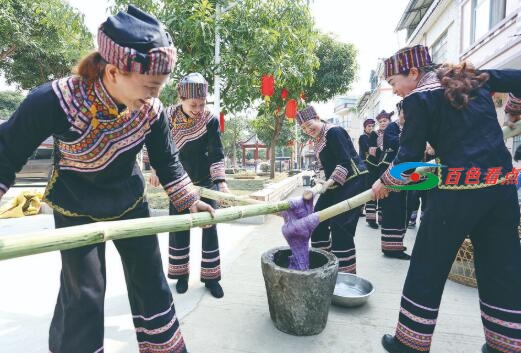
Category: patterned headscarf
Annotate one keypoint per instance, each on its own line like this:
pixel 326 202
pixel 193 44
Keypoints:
pixel 368 121
pixel 306 114
pixel 192 85
pixel 405 59
pixel 135 41
pixel 384 114
pixel 513 105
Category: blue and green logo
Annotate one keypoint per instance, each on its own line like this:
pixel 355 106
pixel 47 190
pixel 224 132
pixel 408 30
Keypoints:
pixel 429 182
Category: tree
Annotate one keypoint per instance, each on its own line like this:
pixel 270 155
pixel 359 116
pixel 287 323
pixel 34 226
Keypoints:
pixel 257 37
pixel 9 102
pixel 283 44
pixel 235 131
pixel 334 75
pixel 336 72
pixel 40 40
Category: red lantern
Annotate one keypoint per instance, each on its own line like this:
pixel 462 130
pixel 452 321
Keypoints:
pixel 284 94
pixel 291 109
pixel 221 122
pixel 267 86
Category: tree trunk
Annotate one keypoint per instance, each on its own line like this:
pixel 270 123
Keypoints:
pixel 273 143
pixel 234 156
pixel 7 53
pixel 299 155
pixel 272 161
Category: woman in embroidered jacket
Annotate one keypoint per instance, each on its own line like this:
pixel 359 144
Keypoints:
pixel 346 177
pixel 367 150
pixel 394 207
pixel 451 108
pixel 195 132
pixel 100 119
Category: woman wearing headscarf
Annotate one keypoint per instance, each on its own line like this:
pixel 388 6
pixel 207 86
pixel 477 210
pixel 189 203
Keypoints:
pixel 451 108
pixel 367 150
pixel 195 132
pixel 394 207
pixel 346 177
pixel 100 118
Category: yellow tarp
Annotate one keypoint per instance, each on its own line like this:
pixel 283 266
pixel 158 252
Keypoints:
pixel 27 203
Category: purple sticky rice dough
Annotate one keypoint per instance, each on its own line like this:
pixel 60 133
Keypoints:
pixel 299 223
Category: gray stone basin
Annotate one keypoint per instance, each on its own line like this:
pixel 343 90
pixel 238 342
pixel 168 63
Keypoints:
pixel 299 301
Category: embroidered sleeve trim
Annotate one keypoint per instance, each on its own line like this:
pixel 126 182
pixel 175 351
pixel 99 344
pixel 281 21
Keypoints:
pixel 182 192
pixel 217 171
pixel 339 175
pixel 388 179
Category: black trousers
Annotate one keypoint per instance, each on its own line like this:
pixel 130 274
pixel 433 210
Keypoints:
pixel 179 250
pixel 394 223
pixel 372 206
pixel 337 234
pixel 78 322
pixel 490 217
pixel 413 201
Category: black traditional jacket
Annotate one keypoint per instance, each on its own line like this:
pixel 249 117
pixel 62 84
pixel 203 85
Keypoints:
pixel 337 154
pixel 95 172
pixel 199 144
pixel 468 142
pixel 364 143
pixel 391 143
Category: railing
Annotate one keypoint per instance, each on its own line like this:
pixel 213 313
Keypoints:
pixel 343 106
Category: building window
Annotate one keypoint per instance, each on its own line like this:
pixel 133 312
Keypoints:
pixel 439 49
pixel 479 17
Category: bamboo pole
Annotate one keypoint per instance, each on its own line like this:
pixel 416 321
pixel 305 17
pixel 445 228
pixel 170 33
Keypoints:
pixel 227 197
pixel 17 245
pixel 346 205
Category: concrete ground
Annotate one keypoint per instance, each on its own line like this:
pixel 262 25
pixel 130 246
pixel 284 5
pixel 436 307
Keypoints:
pixel 239 322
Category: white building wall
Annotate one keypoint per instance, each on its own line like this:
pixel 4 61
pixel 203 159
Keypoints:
pixel 444 18
pixel 499 48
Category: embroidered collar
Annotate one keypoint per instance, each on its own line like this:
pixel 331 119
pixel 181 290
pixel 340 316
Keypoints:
pixel 88 104
pixel 428 82
pixel 320 140
pixel 184 128
pixel 181 119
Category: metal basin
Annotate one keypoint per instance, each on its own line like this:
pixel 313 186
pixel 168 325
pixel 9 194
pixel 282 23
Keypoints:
pixel 351 290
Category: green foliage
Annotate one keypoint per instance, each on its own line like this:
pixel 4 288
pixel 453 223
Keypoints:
pixel 257 37
pixel 9 102
pixel 40 40
pixel 267 37
pixel 337 69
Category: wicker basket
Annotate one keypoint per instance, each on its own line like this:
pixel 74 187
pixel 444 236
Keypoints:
pixel 462 270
